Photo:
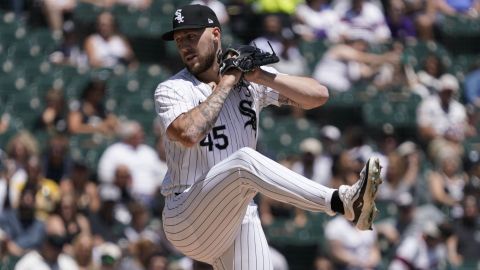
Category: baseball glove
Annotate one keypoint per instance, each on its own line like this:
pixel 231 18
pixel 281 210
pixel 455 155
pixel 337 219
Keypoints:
pixel 245 58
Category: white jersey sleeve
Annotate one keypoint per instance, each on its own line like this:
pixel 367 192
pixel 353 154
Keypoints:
pixel 266 95
pixel 170 103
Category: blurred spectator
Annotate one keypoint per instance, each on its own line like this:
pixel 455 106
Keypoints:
pixel 473 173
pixel 435 12
pixel 75 223
pixel 345 170
pixel 283 42
pixel 101 3
pixel 50 255
pixel 55 12
pixel 70 51
pixel 322 262
pixel 242 19
pixel 20 148
pixel 83 251
pixel 53 118
pixel 442 120
pixel 104 224
pixel 344 64
pixel 276 6
pixel 364 17
pixel 401 25
pixel 88 115
pixel 7 260
pixel 291 60
pixel 357 146
pixel 85 190
pixel 392 76
pixel 351 248
pixel 312 163
pixel 56 161
pixel 447 182
pixel 427 81
pixel 218 7
pixel 139 226
pixel 4 122
pixel 142 250
pixel 136 4
pixel 47 191
pixel 157 261
pixel 23 230
pixel 123 180
pixel 330 139
pixel 106 47
pixel 402 173
pixel 472 88
pixel 317 20
pixel 422 251
pixel 396 228
pixel 141 159
pixel 6 188
pixel 467 228
pixel 108 256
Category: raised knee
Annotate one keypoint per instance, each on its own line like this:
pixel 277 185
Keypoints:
pixel 245 151
pixel 244 158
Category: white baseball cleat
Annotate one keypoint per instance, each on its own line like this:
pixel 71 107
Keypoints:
pixel 359 199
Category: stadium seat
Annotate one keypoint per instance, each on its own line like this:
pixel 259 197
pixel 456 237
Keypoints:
pixel 313 52
pixel 14 127
pixel 396 109
pixel 416 51
pixel 285 134
pixel 86 13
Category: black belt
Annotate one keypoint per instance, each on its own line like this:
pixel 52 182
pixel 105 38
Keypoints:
pixel 177 193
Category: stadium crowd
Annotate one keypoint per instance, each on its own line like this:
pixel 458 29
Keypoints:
pixel 60 209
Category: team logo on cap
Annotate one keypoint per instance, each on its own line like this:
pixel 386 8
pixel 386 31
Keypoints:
pixel 178 16
pixel 210 20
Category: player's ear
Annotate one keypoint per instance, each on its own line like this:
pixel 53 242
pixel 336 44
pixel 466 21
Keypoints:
pixel 216 33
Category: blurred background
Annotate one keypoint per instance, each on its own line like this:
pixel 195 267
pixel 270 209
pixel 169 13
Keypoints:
pixel 82 157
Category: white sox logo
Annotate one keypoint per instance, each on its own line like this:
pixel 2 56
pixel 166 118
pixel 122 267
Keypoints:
pixel 245 107
pixel 178 16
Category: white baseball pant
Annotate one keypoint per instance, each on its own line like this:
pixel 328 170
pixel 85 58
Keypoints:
pixel 214 221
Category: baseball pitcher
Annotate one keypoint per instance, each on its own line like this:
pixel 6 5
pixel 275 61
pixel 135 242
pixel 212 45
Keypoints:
pixel 209 112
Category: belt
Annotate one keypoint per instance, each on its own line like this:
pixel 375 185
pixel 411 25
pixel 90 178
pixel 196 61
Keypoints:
pixel 177 193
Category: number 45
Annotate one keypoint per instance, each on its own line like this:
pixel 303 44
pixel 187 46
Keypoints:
pixel 221 140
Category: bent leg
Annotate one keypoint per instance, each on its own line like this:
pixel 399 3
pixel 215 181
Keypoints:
pixel 279 183
pixel 204 221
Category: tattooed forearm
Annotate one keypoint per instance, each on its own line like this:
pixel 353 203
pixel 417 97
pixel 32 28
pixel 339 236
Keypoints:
pixel 201 119
pixel 283 100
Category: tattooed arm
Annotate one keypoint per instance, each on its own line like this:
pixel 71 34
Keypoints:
pixel 302 92
pixel 191 127
pixel 283 100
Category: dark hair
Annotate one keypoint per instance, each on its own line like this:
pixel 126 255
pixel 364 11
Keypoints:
pixel 92 85
pixel 28 188
pixel 114 20
pixel 440 64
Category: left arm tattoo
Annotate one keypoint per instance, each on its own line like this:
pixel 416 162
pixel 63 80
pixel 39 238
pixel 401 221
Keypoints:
pixel 283 100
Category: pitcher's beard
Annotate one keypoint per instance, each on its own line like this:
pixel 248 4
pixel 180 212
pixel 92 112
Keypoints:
pixel 206 63
pixel 203 66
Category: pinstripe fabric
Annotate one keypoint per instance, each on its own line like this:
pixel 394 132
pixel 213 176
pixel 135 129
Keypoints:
pixel 182 93
pixel 211 220
pixel 205 220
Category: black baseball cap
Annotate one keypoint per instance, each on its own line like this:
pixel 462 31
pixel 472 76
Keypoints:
pixel 192 17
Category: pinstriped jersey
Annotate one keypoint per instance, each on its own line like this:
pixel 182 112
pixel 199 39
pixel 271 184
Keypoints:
pixel 236 126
